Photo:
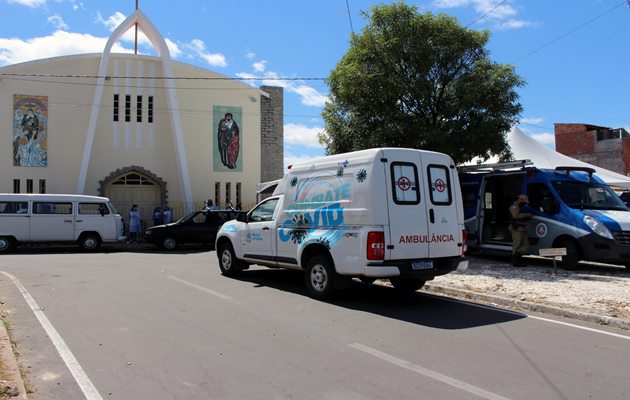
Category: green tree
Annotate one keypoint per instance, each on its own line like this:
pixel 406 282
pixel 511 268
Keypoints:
pixel 423 81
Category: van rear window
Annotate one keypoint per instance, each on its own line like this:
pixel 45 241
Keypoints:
pixel 440 184
pixel 405 183
pixel 46 207
pixel 93 208
pixel 13 207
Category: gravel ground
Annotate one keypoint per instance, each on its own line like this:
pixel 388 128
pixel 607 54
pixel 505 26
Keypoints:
pixel 596 289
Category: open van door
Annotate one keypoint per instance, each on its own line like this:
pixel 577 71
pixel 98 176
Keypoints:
pixel 443 206
pixel 405 205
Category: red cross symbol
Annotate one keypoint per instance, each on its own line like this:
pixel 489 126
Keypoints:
pixel 403 183
pixel 439 185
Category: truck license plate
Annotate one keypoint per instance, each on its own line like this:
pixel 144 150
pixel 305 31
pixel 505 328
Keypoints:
pixel 422 264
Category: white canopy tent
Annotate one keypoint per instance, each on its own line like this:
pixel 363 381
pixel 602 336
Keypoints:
pixel 525 147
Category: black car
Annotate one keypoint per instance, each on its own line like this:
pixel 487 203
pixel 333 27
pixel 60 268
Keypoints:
pixel 196 227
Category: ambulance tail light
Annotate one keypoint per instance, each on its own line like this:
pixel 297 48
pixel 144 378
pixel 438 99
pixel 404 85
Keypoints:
pixel 464 242
pixel 376 246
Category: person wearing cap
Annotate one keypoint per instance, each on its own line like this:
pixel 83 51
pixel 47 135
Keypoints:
pixel 520 243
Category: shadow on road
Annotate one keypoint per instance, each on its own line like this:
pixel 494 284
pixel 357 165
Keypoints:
pixel 416 308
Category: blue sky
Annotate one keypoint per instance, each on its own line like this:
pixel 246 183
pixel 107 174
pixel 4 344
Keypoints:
pixel 573 55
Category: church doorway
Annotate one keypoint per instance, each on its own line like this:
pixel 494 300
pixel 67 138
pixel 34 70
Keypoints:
pixel 135 187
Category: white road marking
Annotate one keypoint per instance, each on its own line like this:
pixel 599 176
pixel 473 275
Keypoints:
pixel 86 385
pixel 580 327
pixel 496 308
pixel 428 373
pixel 203 289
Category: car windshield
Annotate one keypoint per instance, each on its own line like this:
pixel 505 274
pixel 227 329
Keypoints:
pixel 588 195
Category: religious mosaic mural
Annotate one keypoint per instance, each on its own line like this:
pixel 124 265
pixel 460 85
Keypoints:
pixel 30 133
pixel 227 135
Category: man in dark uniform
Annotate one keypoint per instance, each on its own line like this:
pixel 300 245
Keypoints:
pixel 520 243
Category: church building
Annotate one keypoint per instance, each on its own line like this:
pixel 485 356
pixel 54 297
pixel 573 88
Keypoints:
pixel 139 129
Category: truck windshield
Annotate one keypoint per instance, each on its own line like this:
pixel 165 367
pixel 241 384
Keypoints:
pixel 588 195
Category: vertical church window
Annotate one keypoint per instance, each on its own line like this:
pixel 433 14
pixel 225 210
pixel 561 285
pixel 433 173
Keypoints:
pixel 42 186
pixel 238 195
pixel 228 194
pixel 217 193
pixel 127 108
pixel 116 105
pixel 16 186
pixel 139 109
pixel 29 186
pixel 150 113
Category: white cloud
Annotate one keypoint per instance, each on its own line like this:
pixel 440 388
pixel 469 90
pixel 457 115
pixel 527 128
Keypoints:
pixel 302 135
pixel 259 66
pixel 58 22
pixel 514 24
pixel 502 14
pixel 198 48
pixel 60 43
pixel 173 48
pixel 28 3
pixel 250 55
pixel 308 94
pixel 533 120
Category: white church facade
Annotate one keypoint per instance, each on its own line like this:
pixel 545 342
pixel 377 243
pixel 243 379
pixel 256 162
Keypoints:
pixel 138 129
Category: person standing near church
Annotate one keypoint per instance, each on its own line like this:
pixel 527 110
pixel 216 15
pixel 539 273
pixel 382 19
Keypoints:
pixel 520 243
pixel 134 223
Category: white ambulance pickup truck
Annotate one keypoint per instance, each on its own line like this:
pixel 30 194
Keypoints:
pixel 378 213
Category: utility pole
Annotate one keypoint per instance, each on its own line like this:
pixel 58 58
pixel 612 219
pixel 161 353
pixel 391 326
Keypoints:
pixel 136 43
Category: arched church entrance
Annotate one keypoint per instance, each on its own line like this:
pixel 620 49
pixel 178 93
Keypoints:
pixel 135 185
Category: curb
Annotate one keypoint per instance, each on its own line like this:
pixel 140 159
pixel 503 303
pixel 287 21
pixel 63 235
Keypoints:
pixel 14 383
pixel 527 306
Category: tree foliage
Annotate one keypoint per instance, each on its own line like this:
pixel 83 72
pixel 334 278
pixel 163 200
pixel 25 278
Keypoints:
pixel 422 81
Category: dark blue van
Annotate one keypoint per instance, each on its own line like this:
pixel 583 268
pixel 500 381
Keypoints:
pixel 572 207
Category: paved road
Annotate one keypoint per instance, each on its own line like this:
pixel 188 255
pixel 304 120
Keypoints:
pixel 157 325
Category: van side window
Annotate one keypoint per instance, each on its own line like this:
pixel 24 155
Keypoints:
pixel 13 207
pixel 440 185
pixel 41 207
pixel 404 183
pixel 93 208
pixel 540 198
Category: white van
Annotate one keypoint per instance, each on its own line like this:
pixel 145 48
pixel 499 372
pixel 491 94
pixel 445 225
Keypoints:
pixel 379 213
pixel 85 220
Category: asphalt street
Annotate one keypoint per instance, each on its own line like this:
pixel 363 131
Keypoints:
pixel 153 325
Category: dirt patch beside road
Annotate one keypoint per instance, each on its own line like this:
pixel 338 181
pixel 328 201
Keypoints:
pixel 593 289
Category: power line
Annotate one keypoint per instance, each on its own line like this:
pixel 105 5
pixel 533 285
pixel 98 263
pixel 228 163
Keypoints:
pixel 494 8
pixel 107 77
pixel 350 17
pixel 572 30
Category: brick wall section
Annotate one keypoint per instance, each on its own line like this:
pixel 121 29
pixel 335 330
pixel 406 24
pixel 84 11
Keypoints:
pixel 272 133
pixel 626 155
pixel 575 139
pixel 579 141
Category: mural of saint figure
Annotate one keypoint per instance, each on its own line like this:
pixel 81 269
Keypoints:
pixel 228 136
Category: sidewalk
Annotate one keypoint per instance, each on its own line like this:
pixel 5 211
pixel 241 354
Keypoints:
pixel 594 293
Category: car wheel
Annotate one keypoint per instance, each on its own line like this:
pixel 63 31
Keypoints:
pixel 228 263
pixel 571 260
pixel 169 243
pixel 319 277
pixel 90 242
pixel 6 244
pixel 408 285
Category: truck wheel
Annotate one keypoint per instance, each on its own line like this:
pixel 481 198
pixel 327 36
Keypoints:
pixel 570 261
pixel 319 277
pixel 169 243
pixel 6 244
pixel 90 242
pixel 228 263
pixel 408 285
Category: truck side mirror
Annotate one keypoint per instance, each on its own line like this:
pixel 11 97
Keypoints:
pixel 241 217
